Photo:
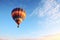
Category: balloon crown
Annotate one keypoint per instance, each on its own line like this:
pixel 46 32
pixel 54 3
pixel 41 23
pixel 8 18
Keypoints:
pixel 17 9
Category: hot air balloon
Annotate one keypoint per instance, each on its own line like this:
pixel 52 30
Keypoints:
pixel 18 15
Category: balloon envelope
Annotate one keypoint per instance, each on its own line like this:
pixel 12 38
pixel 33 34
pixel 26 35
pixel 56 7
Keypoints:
pixel 18 15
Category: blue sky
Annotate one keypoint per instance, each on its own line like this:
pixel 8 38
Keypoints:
pixel 42 18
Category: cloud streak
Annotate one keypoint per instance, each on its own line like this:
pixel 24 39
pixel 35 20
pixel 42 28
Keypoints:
pixel 50 12
pixel 51 37
pixel 48 37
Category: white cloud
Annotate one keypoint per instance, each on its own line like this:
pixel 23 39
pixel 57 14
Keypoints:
pixel 51 37
pixel 47 37
pixel 50 10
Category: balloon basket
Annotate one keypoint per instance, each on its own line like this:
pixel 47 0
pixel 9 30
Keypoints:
pixel 18 26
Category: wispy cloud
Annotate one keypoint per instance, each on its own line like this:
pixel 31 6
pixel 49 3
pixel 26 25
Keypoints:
pixel 49 7
pixel 50 12
pixel 51 37
pixel 47 37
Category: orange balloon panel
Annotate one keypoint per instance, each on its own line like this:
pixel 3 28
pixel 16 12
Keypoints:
pixel 19 13
pixel 22 14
